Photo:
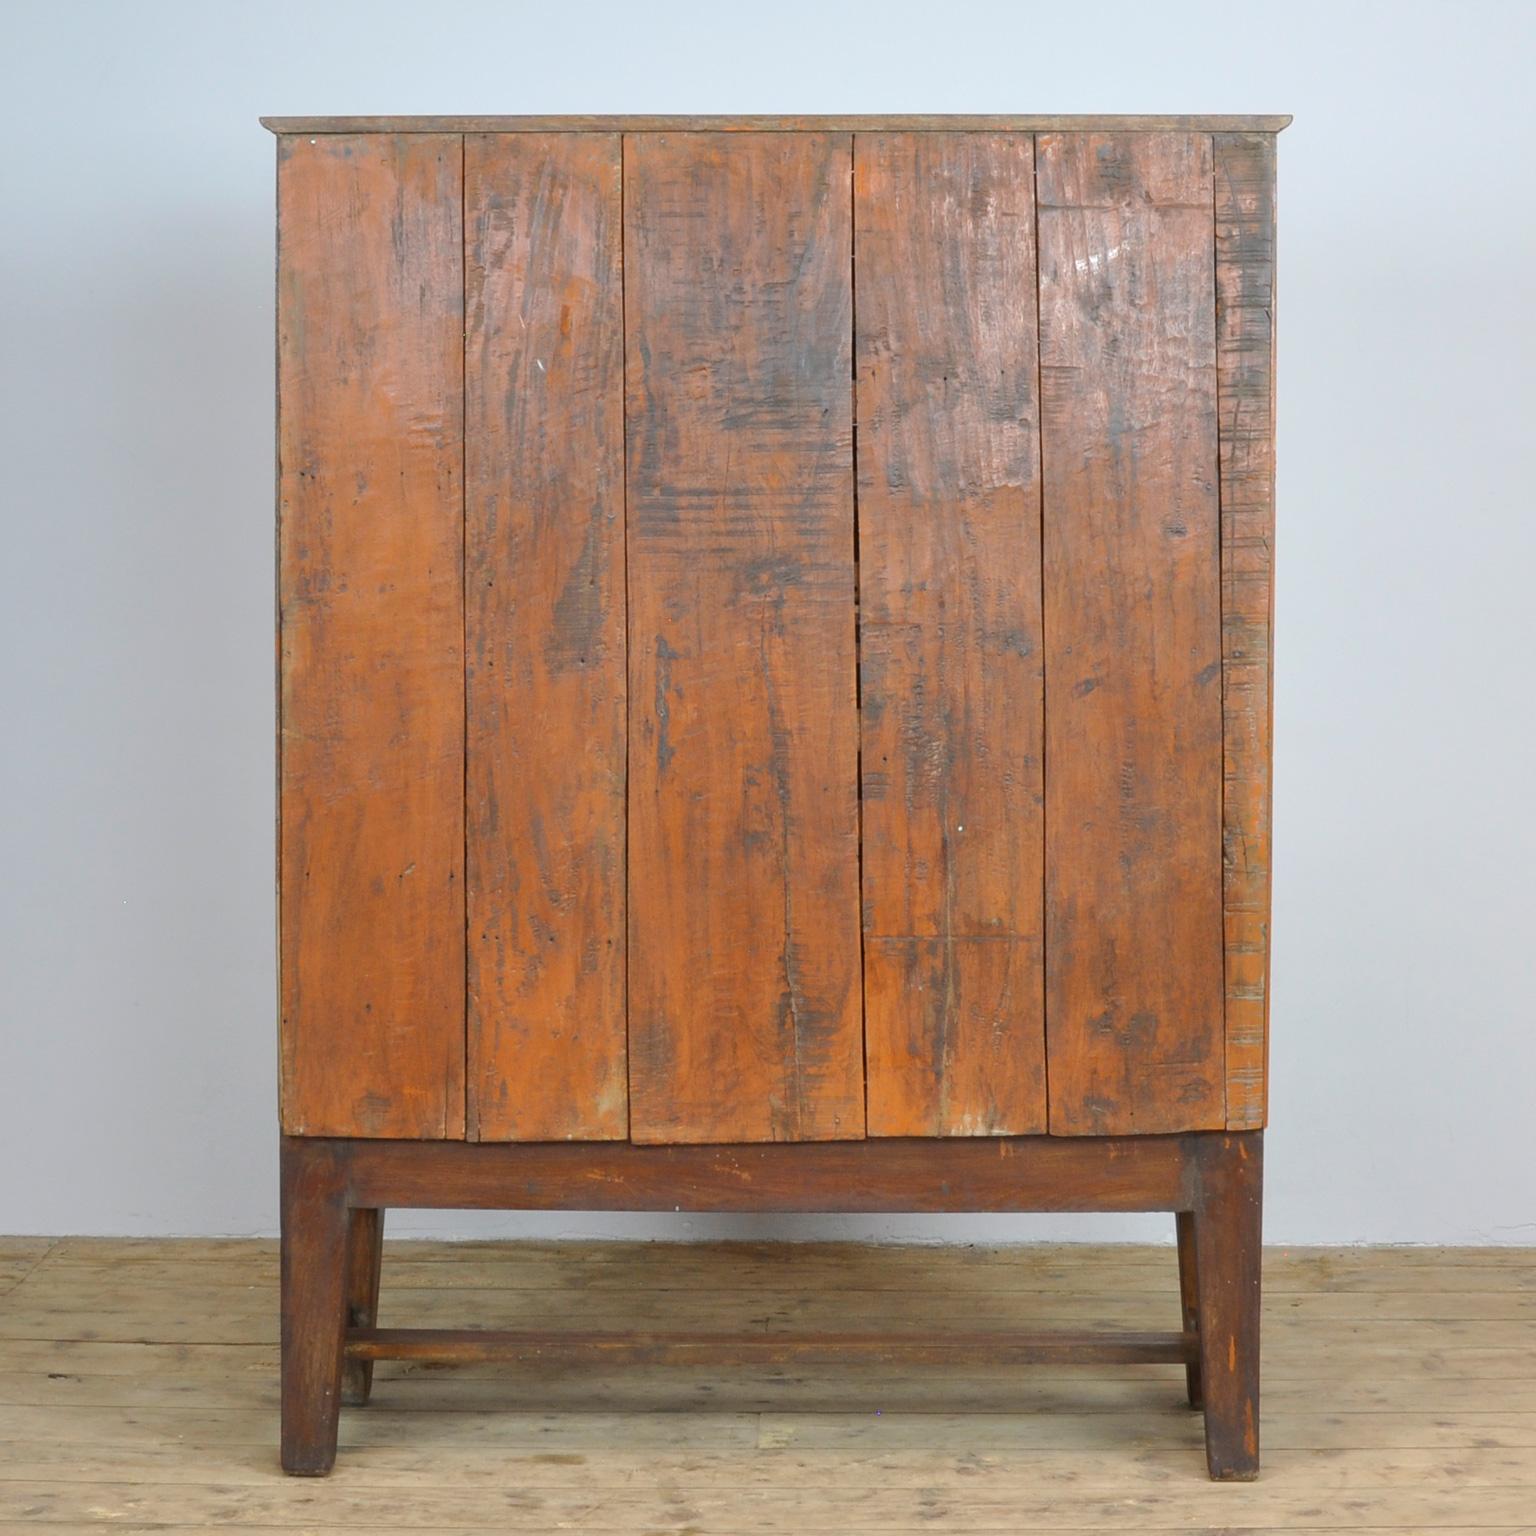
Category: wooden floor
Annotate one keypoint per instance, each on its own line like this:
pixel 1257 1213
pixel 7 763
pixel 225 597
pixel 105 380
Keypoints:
pixel 138 1391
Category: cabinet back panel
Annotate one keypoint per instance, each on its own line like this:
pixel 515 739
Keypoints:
pixel 744 986
pixel 371 524
pixel 773 622
pixel 544 630
pixel 949 633
pixel 1133 945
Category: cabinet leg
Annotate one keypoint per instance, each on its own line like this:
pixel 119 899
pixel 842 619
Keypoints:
pixel 1185 1221
pixel 365 1253
pixel 1228 1233
pixel 314 1284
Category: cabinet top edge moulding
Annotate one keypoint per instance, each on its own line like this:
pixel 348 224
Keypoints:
pixel 996 122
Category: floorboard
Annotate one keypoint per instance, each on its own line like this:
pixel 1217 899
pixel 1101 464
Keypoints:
pixel 138 1391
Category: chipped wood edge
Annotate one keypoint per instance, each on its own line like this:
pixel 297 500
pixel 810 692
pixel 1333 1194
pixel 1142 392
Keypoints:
pixel 1245 280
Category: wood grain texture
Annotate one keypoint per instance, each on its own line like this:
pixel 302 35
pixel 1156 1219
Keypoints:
pixel 473 1346
pixel 1397 1426
pixel 908 1174
pixel 364 1262
pixel 370 531
pixel 545 660
pixel 951 707
pixel 315 1223
pixel 954 1037
pixel 1228 1221
pixel 1133 634
pixel 744 989
pixel 1245 361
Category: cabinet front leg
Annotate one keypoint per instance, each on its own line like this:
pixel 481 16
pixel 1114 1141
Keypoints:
pixel 314 1302
pixel 365 1254
pixel 1227 1254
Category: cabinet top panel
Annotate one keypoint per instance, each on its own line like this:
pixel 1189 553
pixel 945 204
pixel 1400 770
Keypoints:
pixel 994 123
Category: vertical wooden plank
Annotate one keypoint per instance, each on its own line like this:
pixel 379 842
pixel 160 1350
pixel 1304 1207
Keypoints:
pixel 744 987
pixel 370 447
pixel 544 583
pixel 1245 305
pixel 952 712
pixel 1133 633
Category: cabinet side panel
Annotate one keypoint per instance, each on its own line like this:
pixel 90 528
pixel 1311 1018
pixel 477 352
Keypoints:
pixel 952 712
pixel 1134 982
pixel 545 667
pixel 370 536
pixel 1245 310
pixel 744 984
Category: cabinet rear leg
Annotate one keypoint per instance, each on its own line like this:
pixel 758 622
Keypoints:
pixel 365 1253
pixel 1188 1295
pixel 1228 1225
pixel 314 1302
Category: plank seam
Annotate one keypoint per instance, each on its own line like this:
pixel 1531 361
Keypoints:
pixel 623 138
pixel 858 599
pixel 469 1132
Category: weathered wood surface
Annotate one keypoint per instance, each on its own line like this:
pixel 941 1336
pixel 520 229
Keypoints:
pixel 744 988
pixel 857 123
pixel 315 1258
pixel 370 530
pixel 1184 1230
pixel 545 608
pixel 949 623
pixel 1228 1242
pixel 1396 1428
pixel 1134 982
pixel 1139 1173
pixel 1245 364
pixel 365 1258
pixel 1417 1285
pixel 467 1346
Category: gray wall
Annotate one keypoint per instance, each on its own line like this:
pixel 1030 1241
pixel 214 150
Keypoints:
pixel 136 942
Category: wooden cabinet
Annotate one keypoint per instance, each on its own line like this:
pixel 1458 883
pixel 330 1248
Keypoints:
pixel 774 651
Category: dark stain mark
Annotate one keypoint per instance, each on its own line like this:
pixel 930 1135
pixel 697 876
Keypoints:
pixel 1136 1033
pixel 575 638
pixel 768 575
pixel 665 751
pixel 1208 674
pixel 1083 689
pixel 371 1111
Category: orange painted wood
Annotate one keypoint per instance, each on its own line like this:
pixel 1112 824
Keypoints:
pixel 744 987
pixel 950 637
pixel 1245 361
pixel 955 1037
pixel 370 517
pixel 1134 989
pixel 546 676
